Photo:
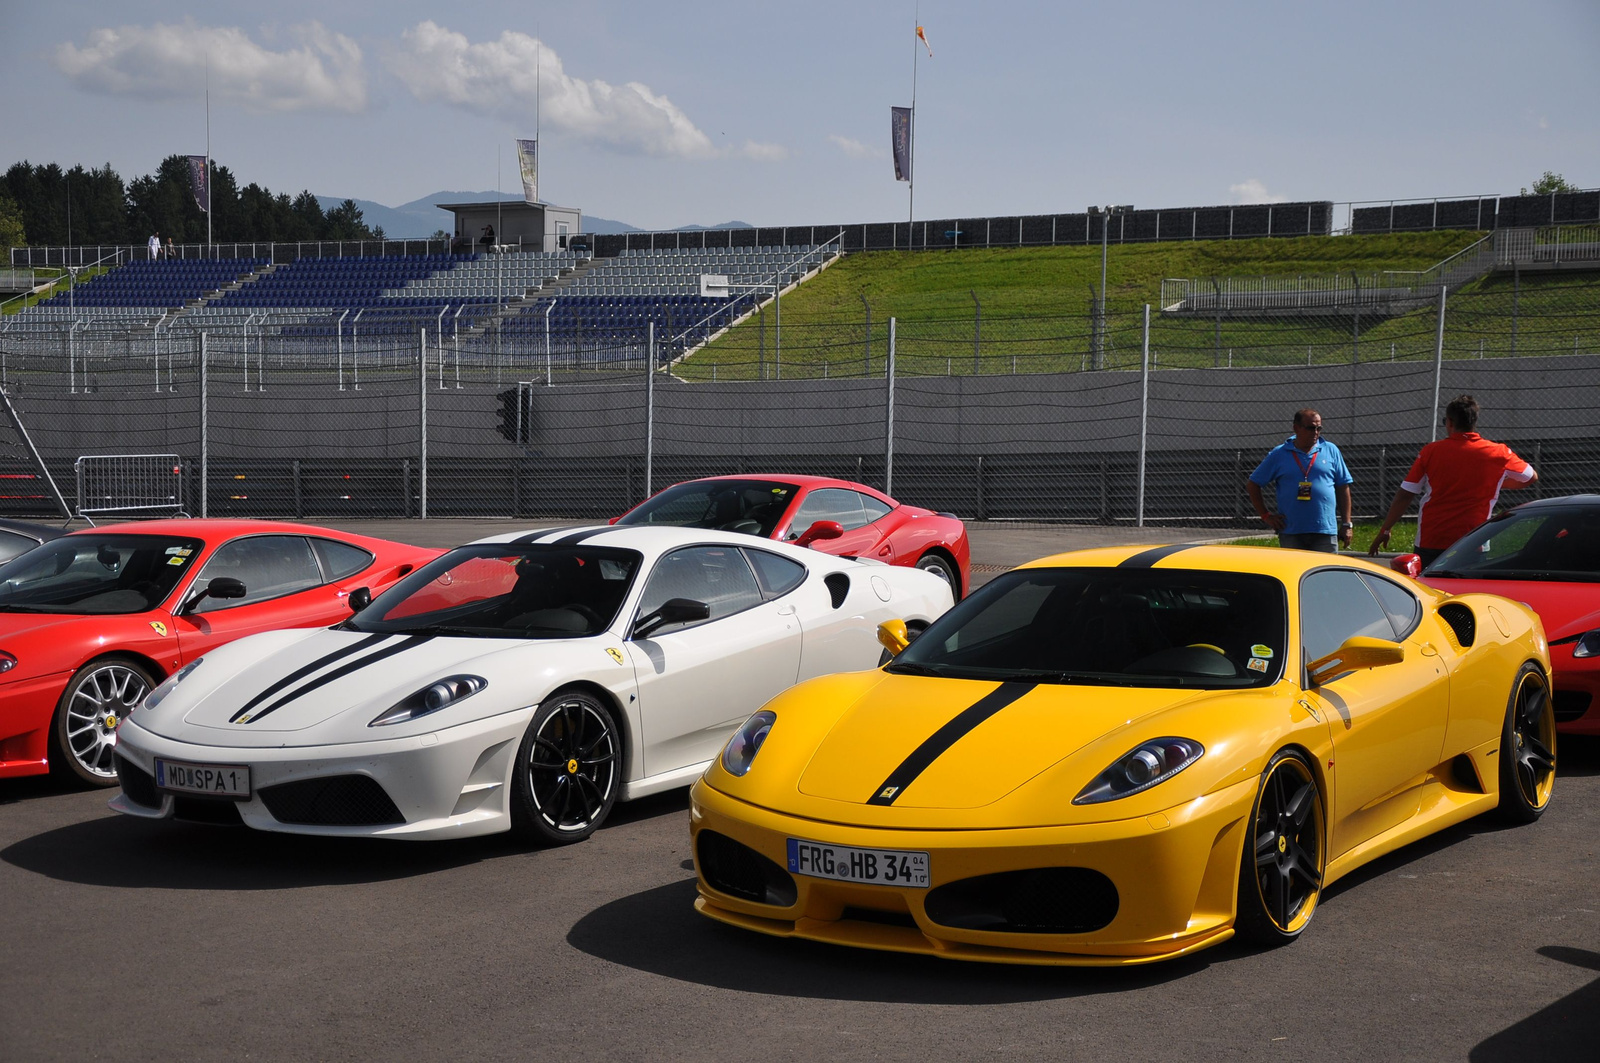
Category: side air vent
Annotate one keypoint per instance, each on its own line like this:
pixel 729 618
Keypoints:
pixel 1461 621
pixel 838 587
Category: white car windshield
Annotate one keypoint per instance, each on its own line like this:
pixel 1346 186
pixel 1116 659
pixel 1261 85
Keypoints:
pixel 1111 626
pixel 507 590
pixel 96 574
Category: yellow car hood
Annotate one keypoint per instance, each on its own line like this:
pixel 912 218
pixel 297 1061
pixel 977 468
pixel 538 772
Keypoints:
pixel 974 742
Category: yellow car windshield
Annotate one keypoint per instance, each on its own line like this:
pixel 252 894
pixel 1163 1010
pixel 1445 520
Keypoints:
pixel 1111 626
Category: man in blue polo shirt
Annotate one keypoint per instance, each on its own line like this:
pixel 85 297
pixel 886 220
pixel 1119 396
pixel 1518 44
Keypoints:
pixel 1312 483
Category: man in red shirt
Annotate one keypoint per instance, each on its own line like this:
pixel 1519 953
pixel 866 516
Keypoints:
pixel 1459 479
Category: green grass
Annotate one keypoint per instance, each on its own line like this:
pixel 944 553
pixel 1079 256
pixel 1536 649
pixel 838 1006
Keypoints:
pixel 1402 538
pixel 1036 313
pixel 1035 303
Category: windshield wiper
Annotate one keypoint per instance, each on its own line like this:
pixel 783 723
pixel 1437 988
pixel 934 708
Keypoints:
pixel 444 629
pixel 913 668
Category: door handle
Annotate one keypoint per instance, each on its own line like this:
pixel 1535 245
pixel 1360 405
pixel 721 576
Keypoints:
pixel 786 610
pixel 1429 649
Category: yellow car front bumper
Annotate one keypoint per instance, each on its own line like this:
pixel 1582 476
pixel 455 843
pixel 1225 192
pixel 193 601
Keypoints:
pixel 1176 877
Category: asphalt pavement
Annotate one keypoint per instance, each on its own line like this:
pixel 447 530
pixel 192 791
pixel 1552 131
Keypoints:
pixel 134 940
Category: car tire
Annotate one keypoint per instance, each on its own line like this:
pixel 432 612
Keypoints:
pixel 83 730
pixel 1527 747
pixel 944 568
pixel 1285 854
pixel 568 770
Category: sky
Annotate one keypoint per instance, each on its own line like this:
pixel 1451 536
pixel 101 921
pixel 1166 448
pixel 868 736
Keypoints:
pixel 670 114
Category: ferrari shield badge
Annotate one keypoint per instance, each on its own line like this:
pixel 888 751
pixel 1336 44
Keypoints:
pixel 159 628
pixel 616 654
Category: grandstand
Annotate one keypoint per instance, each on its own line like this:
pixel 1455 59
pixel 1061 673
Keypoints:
pixel 556 300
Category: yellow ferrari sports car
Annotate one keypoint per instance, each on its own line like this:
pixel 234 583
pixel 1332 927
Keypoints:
pixel 1125 755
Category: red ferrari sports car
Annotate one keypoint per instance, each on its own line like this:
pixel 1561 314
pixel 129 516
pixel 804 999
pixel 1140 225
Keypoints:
pixel 92 621
pixel 1545 554
pixel 834 516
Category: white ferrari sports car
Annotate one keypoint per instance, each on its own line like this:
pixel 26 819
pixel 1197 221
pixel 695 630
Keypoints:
pixel 522 682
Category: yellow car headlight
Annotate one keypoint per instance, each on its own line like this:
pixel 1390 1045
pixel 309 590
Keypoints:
pixel 741 750
pixel 1146 765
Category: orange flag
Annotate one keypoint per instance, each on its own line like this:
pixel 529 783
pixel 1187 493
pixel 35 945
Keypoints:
pixel 923 37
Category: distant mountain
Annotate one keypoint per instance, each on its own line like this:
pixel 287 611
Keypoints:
pixel 421 218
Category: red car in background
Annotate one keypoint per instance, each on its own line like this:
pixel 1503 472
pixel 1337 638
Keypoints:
pixel 835 516
pixel 92 621
pixel 1545 554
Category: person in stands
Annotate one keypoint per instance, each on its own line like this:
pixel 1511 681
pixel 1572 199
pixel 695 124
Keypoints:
pixel 1459 478
pixel 1312 483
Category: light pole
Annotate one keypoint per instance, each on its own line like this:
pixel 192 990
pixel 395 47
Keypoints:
pixel 1105 215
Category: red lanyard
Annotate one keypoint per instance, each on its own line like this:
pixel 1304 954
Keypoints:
pixel 1305 470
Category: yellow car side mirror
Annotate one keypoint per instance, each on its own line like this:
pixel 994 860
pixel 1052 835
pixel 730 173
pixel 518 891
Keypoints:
pixel 1357 652
pixel 892 636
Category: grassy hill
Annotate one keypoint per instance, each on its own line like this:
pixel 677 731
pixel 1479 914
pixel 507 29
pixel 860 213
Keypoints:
pixel 1035 310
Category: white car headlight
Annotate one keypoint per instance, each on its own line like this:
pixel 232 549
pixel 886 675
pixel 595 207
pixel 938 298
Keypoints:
pixel 1137 770
pixel 741 750
pixel 159 694
pixel 431 698
pixel 1588 644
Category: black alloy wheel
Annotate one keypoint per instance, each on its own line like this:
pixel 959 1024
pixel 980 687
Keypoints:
pixel 568 769
pixel 83 734
pixel 1280 879
pixel 1527 747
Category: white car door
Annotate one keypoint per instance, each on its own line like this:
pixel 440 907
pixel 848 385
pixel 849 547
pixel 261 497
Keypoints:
pixel 697 682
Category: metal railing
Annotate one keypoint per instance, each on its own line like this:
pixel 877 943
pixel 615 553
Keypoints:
pixel 1391 290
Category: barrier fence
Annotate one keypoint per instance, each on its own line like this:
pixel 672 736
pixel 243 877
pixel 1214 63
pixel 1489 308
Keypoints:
pixel 1034 419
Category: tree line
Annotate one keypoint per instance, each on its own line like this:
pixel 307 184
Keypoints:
pixel 39 203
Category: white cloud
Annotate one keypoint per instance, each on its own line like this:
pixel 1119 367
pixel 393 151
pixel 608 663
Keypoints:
pixel 163 62
pixel 1253 191
pixel 855 148
pixel 498 77
pixel 763 152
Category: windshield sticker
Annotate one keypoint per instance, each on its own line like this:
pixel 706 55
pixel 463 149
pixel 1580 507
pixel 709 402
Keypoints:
pixel 610 569
pixel 616 655
pixel 1259 650
pixel 176 560
pixel 1257 665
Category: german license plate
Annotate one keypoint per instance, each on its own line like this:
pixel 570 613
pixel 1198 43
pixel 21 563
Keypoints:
pixel 874 867
pixel 217 780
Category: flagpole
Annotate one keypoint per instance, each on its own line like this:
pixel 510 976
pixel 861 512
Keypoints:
pixel 911 134
pixel 208 153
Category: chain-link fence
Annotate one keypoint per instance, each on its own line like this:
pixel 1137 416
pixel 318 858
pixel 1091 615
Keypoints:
pixel 1074 417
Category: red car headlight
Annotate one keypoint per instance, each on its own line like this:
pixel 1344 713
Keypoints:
pixel 7 662
pixel 1588 645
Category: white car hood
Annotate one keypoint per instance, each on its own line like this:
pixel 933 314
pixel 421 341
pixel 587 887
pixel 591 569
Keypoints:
pixel 329 685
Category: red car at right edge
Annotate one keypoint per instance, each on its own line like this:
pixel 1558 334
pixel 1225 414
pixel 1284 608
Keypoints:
pixel 1545 554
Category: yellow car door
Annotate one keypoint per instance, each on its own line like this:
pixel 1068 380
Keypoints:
pixel 1388 722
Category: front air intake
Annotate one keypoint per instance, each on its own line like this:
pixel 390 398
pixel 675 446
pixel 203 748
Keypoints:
pixel 739 871
pixel 1041 900
pixel 333 801
pixel 138 785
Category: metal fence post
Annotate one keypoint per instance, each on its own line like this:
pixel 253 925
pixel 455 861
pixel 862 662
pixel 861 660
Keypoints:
pixel 1438 368
pixel 205 450
pixel 977 328
pixel 649 407
pixel 888 424
pixel 1144 410
pixel 422 450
